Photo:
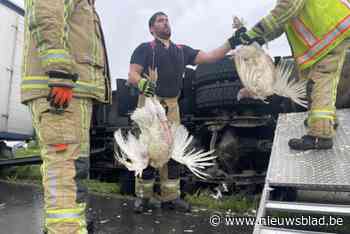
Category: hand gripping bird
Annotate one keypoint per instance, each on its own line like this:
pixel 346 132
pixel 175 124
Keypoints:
pixel 159 142
pixel 261 78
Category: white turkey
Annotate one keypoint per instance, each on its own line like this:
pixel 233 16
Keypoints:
pixel 261 78
pixel 158 142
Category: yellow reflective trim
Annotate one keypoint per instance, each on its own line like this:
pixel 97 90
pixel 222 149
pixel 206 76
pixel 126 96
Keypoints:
pixel 270 22
pixel 41 82
pixel 320 117
pixel 326 110
pixel 56 60
pixel 65 211
pixel 322 112
pixel 315 117
pixel 55 56
pixel 64 220
pixel 148 185
pixel 252 34
pixel 36 86
pixel 36 78
pixel 54 51
pixel 325 113
pixel 172 183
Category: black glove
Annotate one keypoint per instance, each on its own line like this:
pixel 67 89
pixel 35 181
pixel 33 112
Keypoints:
pixel 146 87
pixel 241 38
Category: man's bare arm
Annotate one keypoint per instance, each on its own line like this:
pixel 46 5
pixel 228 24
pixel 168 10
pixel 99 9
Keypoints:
pixel 134 75
pixel 212 56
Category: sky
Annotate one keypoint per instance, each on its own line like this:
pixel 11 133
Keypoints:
pixel 201 24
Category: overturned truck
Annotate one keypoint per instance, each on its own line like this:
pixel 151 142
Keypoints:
pixel 240 131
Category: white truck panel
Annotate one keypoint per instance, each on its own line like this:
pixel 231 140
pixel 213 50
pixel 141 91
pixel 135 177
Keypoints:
pixel 15 118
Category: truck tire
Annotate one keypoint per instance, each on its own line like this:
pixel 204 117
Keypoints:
pixel 186 100
pixel 213 72
pixel 127 97
pixel 217 95
pixel 109 115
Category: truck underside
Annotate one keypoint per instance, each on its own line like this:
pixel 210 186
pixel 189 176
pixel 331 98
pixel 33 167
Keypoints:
pixel 241 132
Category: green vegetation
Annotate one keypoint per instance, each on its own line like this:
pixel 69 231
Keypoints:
pixel 31 174
pixel 96 186
pixel 235 203
pixel 22 153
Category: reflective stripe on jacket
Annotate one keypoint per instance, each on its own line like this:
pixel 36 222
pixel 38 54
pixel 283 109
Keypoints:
pixel 64 36
pixel 313 27
pixel 319 28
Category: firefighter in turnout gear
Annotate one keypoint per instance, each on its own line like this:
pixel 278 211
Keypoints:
pixel 318 33
pixel 65 70
pixel 169 60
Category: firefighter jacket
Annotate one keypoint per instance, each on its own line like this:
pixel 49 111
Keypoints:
pixel 64 36
pixel 313 27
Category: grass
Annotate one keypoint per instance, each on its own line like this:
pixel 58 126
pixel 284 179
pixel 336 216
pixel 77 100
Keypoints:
pixel 96 186
pixel 31 174
pixel 234 203
pixel 22 153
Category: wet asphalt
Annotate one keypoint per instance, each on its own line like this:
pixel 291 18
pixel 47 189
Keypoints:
pixel 21 211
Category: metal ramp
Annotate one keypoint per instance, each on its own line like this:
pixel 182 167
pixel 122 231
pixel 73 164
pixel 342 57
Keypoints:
pixel 313 170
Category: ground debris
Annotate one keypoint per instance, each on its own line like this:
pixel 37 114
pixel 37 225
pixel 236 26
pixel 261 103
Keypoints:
pixel 104 221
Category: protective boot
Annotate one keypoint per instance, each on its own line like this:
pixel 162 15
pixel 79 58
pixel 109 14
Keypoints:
pixel 144 204
pixel 177 204
pixel 140 204
pixel 308 142
pixel 90 227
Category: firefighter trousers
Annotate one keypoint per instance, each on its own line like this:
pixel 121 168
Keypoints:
pixel 324 77
pixel 63 171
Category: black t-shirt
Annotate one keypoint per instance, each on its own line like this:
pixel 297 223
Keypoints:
pixel 170 63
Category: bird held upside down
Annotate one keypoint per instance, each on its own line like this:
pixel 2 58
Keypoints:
pixel 158 142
